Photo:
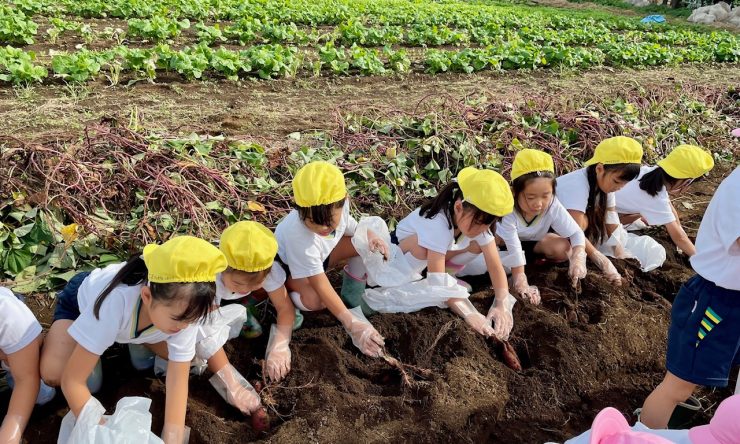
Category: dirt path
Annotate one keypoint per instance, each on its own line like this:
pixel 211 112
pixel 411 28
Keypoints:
pixel 274 109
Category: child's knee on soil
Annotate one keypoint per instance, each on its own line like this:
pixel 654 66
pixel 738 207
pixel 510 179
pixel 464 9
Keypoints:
pixel 554 248
pixel 309 297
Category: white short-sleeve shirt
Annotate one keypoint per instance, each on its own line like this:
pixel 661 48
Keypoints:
pixel 304 251
pixel 717 257
pixel 634 200
pixel 119 319
pixel 513 229
pixel 18 326
pixel 573 191
pixel 274 280
pixel 434 234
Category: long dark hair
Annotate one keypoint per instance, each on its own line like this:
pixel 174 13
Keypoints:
pixel 445 203
pixel 520 183
pixel 654 181
pixel 596 209
pixel 201 295
pixel 320 214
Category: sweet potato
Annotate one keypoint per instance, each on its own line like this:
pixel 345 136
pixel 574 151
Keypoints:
pixel 510 357
pixel 260 420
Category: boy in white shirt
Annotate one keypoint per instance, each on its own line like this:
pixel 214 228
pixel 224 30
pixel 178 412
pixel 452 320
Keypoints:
pixel 704 336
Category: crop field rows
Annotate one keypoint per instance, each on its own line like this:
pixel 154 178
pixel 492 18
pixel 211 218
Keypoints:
pixel 78 41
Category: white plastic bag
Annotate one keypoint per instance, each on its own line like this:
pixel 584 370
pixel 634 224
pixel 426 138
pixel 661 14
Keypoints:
pixel 381 272
pixel 223 324
pixel 414 296
pixel 645 249
pixel 131 423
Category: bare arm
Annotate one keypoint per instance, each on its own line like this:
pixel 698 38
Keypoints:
pixel 24 366
pixel 176 401
pixel 283 305
pixel 328 295
pixel 74 379
pixel 680 238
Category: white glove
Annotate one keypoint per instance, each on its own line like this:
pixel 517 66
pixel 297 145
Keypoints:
pixel 529 292
pixel 12 429
pixel 475 319
pixel 577 268
pixel 606 267
pixel 501 314
pixel 277 357
pixel 235 390
pixel 364 336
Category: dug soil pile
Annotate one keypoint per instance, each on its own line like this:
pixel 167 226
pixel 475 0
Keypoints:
pixel 580 353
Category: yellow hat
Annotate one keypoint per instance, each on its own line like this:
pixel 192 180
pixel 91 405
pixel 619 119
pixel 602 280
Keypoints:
pixel 487 190
pixel 183 259
pixel 620 149
pixel 249 246
pixel 687 162
pixel 528 161
pixel 318 183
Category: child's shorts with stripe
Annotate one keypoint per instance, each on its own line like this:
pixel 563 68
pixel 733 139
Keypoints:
pixel 704 336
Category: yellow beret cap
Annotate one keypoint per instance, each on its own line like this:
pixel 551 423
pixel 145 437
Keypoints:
pixel 487 190
pixel 318 183
pixel 687 162
pixel 620 149
pixel 183 259
pixel 248 246
pixel 528 161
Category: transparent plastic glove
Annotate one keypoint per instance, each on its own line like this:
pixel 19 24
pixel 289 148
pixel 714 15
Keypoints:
pixel 277 357
pixel 12 429
pixel 529 292
pixel 175 434
pixel 235 390
pixel 577 267
pixel 377 245
pixel 606 267
pixel 620 252
pixel 501 315
pixel 364 336
pixel 475 319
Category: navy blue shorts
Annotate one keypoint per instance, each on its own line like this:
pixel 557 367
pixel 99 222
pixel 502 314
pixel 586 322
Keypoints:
pixel 67 307
pixel 704 336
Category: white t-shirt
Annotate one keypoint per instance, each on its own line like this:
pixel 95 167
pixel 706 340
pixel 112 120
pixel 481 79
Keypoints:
pixel 634 200
pixel 18 326
pixel 119 316
pixel 573 189
pixel 513 229
pixel 434 234
pixel 304 251
pixel 274 280
pixel 717 257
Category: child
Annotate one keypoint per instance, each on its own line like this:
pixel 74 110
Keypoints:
pixel 648 198
pixel 537 212
pixel 20 341
pixel 316 236
pixel 588 195
pixel 704 336
pixel 250 250
pixel 467 206
pixel 154 298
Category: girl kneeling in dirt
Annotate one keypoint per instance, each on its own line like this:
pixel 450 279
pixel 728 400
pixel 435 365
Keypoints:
pixel 588 195
pixel 469 206
pixel 250 249
pixel 317 236
pixel 648 198
pixel 704 336
pixel 526 231
pixel 20 342
pixel 154 299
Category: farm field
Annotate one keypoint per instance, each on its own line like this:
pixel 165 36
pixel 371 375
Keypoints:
pixel 126 122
